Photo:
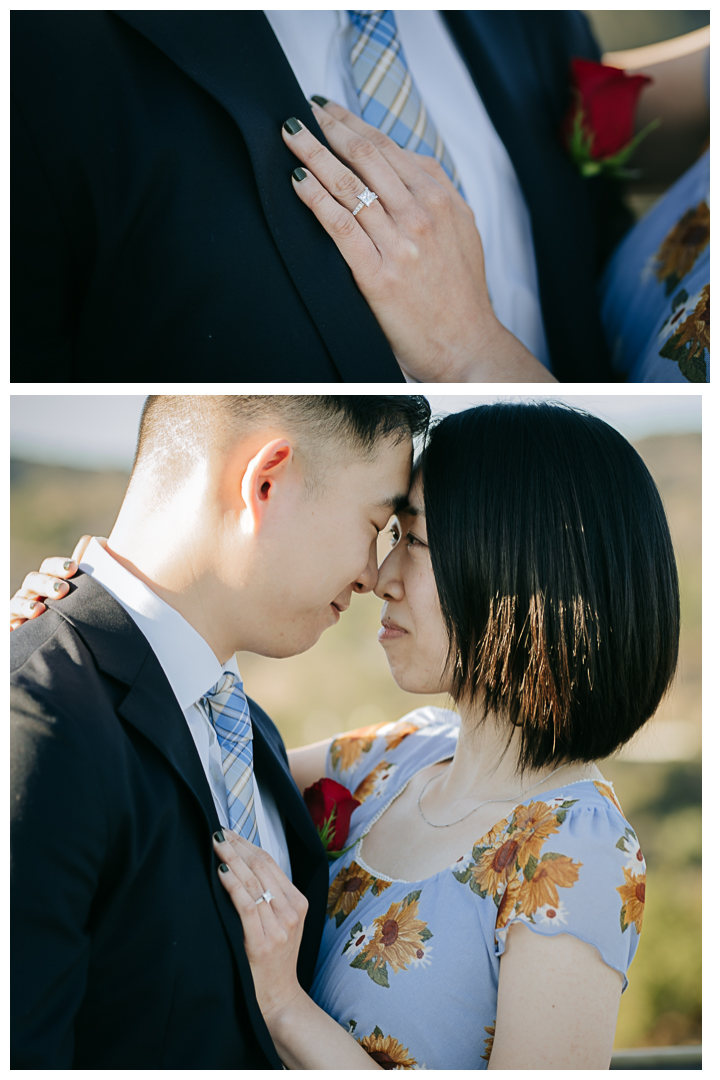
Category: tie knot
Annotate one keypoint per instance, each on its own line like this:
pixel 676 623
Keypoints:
pixel 225 685
pixel 375 22
pixel 227 699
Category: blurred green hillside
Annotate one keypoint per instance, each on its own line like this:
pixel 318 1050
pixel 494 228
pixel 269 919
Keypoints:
pixel 343 683
pixel 620 29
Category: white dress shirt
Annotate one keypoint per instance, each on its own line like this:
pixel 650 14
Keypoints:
pixel 192 669
pixel 316 44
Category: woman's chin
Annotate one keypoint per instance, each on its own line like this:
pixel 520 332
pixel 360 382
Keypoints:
pixel 417 682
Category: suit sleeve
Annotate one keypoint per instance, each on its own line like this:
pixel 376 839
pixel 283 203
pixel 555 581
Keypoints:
pixel 58 837
pixel 43 269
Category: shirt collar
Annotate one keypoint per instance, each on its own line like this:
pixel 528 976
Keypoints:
pixel 186 658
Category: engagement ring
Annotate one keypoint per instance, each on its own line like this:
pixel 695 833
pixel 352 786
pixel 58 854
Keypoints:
pixel 366 198
pixel 267 896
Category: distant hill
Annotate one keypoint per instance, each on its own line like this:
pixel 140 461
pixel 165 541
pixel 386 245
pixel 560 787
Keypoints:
pixel 51 506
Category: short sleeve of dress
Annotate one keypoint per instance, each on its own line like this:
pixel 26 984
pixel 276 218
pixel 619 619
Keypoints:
pixel 365 760
pixel 571 865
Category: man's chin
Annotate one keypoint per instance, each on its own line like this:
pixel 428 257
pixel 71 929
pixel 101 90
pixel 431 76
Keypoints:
pixel 283 650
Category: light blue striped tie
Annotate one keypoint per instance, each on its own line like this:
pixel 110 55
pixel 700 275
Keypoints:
pixel 389 99
pixel 230 716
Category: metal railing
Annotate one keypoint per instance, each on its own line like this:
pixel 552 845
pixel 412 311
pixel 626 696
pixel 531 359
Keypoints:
pixel 658 1057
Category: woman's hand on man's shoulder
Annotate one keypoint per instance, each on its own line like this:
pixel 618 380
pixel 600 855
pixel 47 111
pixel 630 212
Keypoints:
pixel 49 582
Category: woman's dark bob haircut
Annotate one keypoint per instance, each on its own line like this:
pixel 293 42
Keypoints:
pixel 556 575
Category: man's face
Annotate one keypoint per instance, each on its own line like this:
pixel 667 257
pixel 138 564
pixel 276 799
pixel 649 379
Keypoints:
pixel 323 547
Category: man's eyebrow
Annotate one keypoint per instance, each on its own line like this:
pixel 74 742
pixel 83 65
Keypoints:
pixel 403 506
pixel 396 503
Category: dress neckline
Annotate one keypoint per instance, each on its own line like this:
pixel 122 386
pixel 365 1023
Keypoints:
pixel 357 857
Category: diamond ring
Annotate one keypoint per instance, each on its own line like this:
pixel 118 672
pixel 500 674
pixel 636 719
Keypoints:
pixel 267 896
pixel 366 198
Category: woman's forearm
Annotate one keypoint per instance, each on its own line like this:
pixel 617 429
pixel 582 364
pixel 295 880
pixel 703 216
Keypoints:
pixel 305 1037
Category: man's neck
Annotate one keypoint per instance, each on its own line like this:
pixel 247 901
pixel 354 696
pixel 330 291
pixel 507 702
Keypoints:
pixel 176 588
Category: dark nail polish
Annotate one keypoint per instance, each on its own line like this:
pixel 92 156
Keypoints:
pixel 319 100
pixel 32 605
pixel 218 837
pixel 57 586
pixel 67 565
pixel 292 126
pixel 224 868
pixel 299 174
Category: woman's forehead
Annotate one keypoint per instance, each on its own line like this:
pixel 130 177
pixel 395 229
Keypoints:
pixel 415 506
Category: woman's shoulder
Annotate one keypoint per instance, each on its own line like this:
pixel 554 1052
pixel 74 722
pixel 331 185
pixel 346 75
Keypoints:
pixel 587 812
pixel 371 754
pixel 566 861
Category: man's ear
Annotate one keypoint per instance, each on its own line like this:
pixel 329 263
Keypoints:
pixel 261 477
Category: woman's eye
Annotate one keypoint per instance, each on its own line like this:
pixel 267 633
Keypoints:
pixel 414 541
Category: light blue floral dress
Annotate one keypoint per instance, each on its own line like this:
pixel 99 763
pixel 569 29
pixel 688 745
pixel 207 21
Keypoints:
pixel 411 968
pixel 655 292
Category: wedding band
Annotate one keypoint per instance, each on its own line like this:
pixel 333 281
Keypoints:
pixel 267 896
pixel 366 198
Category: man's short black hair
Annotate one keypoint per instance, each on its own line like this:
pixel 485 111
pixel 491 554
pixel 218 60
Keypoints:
pixel 174 429
pixel 556 575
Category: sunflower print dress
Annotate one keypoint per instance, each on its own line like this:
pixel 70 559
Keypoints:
pixel 655 293
pixel 411 968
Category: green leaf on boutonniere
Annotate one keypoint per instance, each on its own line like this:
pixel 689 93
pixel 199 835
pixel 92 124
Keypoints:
pixel 580 149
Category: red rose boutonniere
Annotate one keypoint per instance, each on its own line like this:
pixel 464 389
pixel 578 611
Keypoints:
pixel 331 805
pixel 598 127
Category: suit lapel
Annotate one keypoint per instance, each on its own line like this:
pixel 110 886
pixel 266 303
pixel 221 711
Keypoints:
pixel 152 708
pixel 235 57
pixel 517 79
pixel 307 855
pixel 123 652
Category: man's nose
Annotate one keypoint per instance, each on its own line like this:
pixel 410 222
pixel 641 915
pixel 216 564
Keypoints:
pixel 368 579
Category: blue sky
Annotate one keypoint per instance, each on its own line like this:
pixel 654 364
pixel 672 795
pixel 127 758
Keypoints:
pixel 97 432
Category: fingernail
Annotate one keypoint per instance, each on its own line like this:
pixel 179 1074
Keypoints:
pixel 292 126
pixel 218 838
pixel 224 868
pixel 299 174
pixel 57 585
pixel 319 100
pixel 32 605
pixel 67 565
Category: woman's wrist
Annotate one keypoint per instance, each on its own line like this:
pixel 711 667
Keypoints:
pixel 283 1009
pixel 496 355
pixel 305 1037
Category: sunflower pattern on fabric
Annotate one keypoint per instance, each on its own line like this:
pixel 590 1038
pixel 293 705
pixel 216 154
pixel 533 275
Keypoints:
pixel 385 1050
pixel 607 792
pixel 348 889
pixel 512 868
pixel 680 249
pixel 399 940
pixel 490 1030
pixel 375 782
pixel 347 750
pixel 687 343
pixel 632 892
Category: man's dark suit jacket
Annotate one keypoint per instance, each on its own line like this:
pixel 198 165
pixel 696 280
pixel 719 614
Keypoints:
pixel 126 950
pixel 155 230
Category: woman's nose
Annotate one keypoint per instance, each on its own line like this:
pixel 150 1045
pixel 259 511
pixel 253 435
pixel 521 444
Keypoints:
pixel 389 581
